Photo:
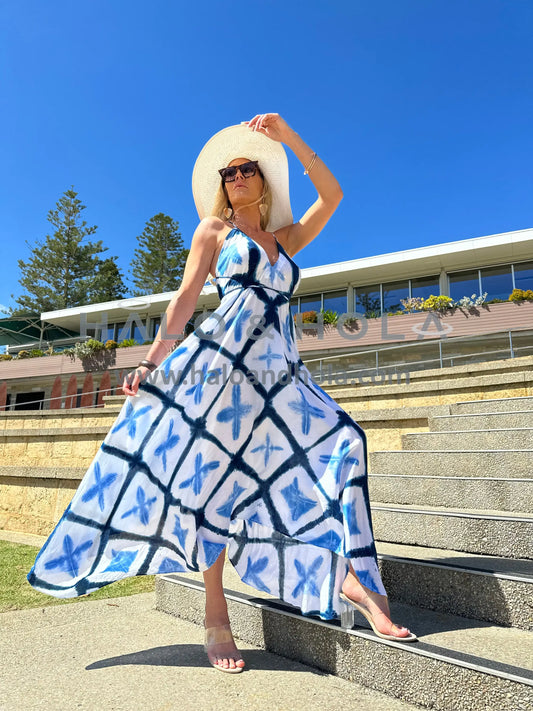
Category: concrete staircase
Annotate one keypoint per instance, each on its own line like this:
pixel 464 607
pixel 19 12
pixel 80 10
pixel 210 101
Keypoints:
pixel 452 515
pixel 453 521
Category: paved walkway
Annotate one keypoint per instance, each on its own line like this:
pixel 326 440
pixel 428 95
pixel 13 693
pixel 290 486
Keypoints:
pixel 122 654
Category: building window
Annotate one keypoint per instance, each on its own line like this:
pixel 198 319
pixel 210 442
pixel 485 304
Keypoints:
pixel 497 282
pixel 120 333
pixel 392 293
pixel 107 334
pixel 424 287
pixel 336 301
pixel 464 284
pixel 312 302
pixel 523 276
pixel 368 300
pixel 155 322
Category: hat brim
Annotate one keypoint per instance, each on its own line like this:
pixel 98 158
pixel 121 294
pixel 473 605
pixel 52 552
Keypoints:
pixel 242 142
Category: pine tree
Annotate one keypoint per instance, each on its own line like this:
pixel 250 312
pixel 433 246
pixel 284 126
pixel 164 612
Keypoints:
pixel 108 284
pixel 62 272
pixel 158 263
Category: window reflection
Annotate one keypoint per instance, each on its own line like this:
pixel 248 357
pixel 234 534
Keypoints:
pixel 523 276
pixel 336 301
pixel 464 284
pixel 392 293
pixel 424 287
pixel 368 301
pixel 497 282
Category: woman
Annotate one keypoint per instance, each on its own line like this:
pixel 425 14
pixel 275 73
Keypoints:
pixel 211 449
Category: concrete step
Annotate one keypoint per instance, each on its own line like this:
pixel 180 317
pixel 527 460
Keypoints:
pixel 482 587
pixel 457 663
pixel 509 404
pixel 518 463
pixel 62 445
pixel 482 440
pixel 481 421
pixel 487 531
pixel 454 492
pixel 50 419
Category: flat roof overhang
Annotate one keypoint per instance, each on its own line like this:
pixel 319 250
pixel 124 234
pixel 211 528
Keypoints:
pixel 423 261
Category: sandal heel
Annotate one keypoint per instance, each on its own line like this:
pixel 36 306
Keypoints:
pixel 347 617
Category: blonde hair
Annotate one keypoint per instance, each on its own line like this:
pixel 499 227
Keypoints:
pixel 222 202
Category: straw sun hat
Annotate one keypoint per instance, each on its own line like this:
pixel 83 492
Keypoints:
pixel 242 142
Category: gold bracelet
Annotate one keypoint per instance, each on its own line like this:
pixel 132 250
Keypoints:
pixel 311 164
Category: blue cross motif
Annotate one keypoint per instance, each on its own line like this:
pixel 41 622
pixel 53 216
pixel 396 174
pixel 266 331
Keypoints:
pixel 273 270
pixel 307 578
pixel 235 412
pixel 121 562
pixel 251 576
pixel 130 418
pixel 226 508
pixel 97 489
pixel 143 506
pixel 306 410
pixel 269 356
pixel 330 540
pixel 237 322
pixel 198 389
pixel 70 560
pixel 168 443
pixel 180 532
pixel 170 359
pixel 170 566
pixel 268 447
pixel 231 256
pixel 200 473
pixel 297 501
pixel 339 459
pixel 287 331
pixel 350 512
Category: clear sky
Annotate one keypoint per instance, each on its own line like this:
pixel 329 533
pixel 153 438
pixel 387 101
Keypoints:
pixel 423 109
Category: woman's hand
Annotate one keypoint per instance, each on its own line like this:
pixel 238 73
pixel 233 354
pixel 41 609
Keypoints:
pixel 134 379
pixel 271 125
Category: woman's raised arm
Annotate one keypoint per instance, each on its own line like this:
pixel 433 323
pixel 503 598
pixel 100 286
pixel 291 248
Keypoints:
pixel 299 234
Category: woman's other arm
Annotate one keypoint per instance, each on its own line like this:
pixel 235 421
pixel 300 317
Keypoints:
pixel 183 303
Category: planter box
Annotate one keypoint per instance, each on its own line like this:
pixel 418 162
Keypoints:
pixel 389 330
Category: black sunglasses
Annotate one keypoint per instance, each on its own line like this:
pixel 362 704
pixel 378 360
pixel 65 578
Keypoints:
pixel 247 170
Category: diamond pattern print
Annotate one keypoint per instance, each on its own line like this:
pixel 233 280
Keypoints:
pixel 210 455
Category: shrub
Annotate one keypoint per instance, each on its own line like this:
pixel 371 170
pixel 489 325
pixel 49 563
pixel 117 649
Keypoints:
pixel 438 303
pixel 6 356
pixel 36 352
pixel 521 295
pixel 23 354
pixel 127 342
pixel 469 302
pixel 329 316
pixel 415 303
pixel 309 317
pixel 110 344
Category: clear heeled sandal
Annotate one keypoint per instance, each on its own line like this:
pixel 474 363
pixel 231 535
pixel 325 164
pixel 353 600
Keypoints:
pixel 348 619
pixel 219 635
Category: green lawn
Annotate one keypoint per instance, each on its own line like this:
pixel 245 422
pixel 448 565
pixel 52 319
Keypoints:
pixel 17 594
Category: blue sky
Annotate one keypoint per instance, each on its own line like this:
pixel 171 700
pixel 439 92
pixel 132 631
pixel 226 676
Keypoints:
pixel 422 108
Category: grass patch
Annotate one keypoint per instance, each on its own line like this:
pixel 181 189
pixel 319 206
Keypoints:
pixel 16 593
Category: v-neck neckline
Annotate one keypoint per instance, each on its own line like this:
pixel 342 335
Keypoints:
pixel 238 229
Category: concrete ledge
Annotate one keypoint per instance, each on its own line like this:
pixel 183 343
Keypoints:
pixel 505 495
pixel 515 464
pixel 485 532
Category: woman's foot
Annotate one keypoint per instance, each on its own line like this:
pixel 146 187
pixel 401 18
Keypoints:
pixel 377 606
pixel 220 645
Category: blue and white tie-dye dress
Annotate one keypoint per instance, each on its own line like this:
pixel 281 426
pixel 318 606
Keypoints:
pixel 229 442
